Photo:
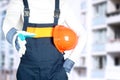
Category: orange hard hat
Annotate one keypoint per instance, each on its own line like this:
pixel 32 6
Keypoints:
pixel 64 38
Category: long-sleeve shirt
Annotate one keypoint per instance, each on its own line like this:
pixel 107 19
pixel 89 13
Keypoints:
pixel 42 11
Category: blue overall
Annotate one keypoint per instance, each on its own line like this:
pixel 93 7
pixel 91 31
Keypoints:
pixel 42 61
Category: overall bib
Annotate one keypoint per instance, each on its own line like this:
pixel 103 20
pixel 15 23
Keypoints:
pixel 42 61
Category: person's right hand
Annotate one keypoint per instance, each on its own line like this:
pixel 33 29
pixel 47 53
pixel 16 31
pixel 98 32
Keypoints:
pixel 20 41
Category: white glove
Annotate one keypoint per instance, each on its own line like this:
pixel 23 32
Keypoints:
pixel 19 41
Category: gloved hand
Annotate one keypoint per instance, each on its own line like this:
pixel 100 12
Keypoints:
pixel 68 64
pixel 19 41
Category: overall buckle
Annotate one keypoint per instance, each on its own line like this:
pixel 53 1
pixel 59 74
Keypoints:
pixel 56 13
pixel 26 12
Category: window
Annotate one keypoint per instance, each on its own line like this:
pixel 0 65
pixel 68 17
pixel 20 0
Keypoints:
pixel 1 21
pixel 99 36
pixel 99 16
pixel 117 61
pixel 99 40
pixel 2 36
pixel 99 62
pixel 11 63
pixel 117 32
pixel 2 59
pixel 82 61
pixel 83 19
pixel 83 4
pixel 100 9
pixel 117 6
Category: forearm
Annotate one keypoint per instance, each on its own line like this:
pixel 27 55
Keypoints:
pixel 74 23
pixel 13 16
pixel 75 54
pixel 72 58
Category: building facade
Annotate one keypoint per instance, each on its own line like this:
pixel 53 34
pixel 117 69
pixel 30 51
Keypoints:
pixel 9 59
pixel 101 60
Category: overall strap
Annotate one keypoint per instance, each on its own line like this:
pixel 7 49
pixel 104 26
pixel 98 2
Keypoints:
pixel 27 12
pixel 56 12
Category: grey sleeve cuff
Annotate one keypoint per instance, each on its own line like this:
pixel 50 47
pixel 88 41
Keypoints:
pixel 68 64
pixel 10 35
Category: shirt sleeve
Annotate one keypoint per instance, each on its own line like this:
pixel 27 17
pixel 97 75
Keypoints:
pixel 13 16
pixel 74 23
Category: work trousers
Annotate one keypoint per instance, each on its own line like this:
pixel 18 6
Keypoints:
pixel 42 72
pixel 42 61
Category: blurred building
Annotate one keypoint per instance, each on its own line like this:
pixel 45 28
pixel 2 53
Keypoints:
pixel 100 59
pixel 8 56
pixel 113 43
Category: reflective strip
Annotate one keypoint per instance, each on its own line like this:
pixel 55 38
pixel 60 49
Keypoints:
pixel 41 32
